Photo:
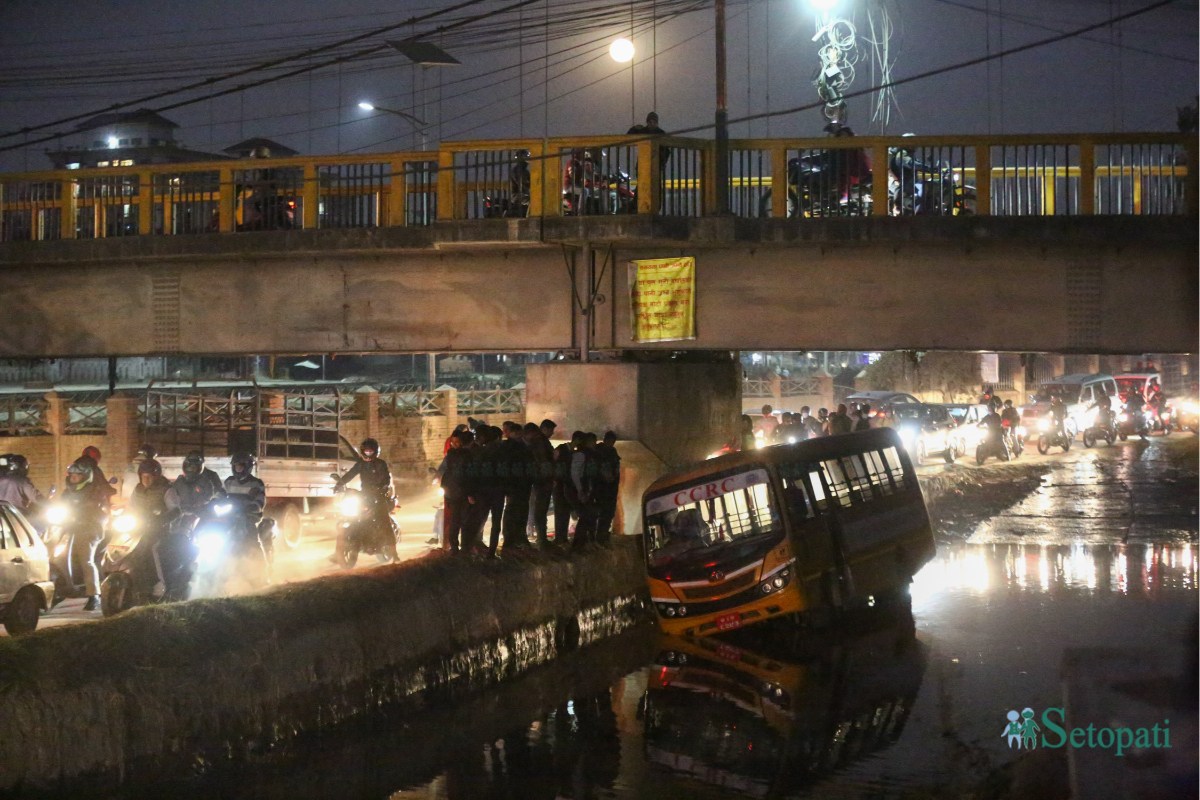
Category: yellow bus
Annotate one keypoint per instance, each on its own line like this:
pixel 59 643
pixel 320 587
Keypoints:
pixel 790 529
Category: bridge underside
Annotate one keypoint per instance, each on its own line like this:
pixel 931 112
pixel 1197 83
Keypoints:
pixel 1078 284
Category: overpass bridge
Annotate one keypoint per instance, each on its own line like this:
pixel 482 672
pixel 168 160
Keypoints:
pixel 1055 243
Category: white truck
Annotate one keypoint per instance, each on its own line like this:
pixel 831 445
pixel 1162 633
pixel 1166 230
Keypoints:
pixel 294 436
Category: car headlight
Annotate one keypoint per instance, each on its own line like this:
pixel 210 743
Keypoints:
pixel 221 509
pixel 210 546
pixel 57 514
pixel 350 506
pixel 124 523
pixel 1190 408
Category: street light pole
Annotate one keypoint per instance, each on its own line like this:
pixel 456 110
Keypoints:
pixel 721 173
pixel 418 124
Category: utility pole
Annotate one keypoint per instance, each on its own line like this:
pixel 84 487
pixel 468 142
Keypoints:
pixel 722 151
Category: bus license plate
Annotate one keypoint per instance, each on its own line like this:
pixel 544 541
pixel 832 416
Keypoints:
pixel 728 622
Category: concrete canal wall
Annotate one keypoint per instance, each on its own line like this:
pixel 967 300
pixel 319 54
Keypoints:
pixel 186 683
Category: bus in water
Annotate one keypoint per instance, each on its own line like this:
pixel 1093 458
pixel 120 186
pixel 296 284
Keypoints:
pixel 786 530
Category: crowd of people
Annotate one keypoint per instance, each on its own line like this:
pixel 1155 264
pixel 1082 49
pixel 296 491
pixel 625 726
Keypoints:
pixel 795 427
pixel 513 475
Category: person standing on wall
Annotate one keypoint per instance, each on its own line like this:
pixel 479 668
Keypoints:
pixel 608 485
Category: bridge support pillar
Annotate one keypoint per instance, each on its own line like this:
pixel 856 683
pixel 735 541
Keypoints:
pixel 665 414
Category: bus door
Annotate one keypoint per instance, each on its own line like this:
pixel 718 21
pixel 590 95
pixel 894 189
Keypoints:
pixel 817 557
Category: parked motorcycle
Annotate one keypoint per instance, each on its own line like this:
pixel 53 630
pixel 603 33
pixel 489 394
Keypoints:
pixel 130 576
pixel 991 445
pixel 922 188
pixel 1100 425
pixel 589 191
pixel 366 526
pixel 816 184
pixel 1050 435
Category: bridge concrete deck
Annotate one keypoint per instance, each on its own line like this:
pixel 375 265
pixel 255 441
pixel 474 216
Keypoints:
pixel 1088 284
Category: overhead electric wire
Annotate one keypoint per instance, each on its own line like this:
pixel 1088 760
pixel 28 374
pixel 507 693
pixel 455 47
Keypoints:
pixel 239 73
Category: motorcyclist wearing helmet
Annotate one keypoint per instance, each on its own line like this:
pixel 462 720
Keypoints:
pixel 192 490
pixel 91 453
pixel 1058 415
pixel 1103 406
pixel 88 501
pixel 130 479
pixel 993 423
pixel 243 483
pixel 372 471
pixel 1135 405
pixel 1010 418
pixel 15 486
pixel 148 500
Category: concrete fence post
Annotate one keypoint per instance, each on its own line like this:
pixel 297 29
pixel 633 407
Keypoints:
pixel 366 405
pixel 56 424
pixel 121 439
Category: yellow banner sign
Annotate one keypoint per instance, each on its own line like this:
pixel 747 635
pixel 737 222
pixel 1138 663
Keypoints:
pixel 663 296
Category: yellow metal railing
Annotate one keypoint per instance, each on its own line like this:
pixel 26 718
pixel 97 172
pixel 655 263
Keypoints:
pixel 1086 174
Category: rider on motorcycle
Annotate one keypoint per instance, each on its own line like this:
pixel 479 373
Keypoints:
pixel 148 501
pixel 372 472
pixel 243 483
pixel 15 486
pixel 1103 405
pixel 1010 418
pixel 993 423
pixel 192 490
pixel 1134 408
pixel 88 500
pixel 1058 416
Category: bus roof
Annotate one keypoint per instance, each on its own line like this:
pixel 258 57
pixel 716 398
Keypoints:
pixel 817 449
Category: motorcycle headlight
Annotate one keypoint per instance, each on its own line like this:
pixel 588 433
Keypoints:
pixel 350 506
pixel 124 523
pixel 1020 430
pixel 1092 416
pixel 1124 417
pixel 57 514
pixel 221 509
pixel 1043 424
pixel 60 549
pixel 210 546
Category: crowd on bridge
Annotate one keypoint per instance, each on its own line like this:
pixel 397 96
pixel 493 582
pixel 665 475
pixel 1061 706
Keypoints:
pixel 513 475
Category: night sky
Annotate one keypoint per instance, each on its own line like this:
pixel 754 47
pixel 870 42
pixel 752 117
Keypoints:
pixel 62 57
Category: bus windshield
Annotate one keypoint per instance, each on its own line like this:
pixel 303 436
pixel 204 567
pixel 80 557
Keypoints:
pixel 688 521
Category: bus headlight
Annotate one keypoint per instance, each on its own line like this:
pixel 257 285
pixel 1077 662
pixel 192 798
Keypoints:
pixel 776 582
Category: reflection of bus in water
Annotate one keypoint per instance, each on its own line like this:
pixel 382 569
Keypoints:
pixel 767 720
pixel 819 525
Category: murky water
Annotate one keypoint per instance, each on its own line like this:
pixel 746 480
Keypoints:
pixel 895 703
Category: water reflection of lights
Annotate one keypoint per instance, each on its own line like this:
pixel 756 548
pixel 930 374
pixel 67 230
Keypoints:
pixel 980 569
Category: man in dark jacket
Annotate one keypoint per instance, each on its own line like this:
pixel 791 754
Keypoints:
pixel 608 485
pixel 543 481
pixel 518 467
pixel 455 480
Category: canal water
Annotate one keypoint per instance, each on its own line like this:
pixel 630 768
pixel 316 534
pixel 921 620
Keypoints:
pixel 1014 613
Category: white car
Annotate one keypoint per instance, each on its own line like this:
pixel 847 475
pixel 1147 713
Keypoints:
pixel 25 586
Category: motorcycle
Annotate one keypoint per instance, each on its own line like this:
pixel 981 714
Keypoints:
pixel 815 187
pixel 991 445
pixel 229 551
pixel 1132 423
pixel 130 577
pixel 1051 435
pixel 366 526
pixel 588 191
pixel 1188 417
pixel 1099 426
pixel 921 188
pixel 1014 438
pixel 516 204
pixel 1160 418
pixel 267 211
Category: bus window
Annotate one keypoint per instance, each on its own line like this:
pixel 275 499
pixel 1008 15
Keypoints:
pixel 857 477
pixel 835 482
pixel 879 472
pixel 818 490
pixel 896 469
pixel 695 518
pixel 793 490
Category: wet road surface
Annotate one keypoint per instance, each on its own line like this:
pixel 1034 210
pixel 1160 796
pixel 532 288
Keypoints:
pixel 1094 548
